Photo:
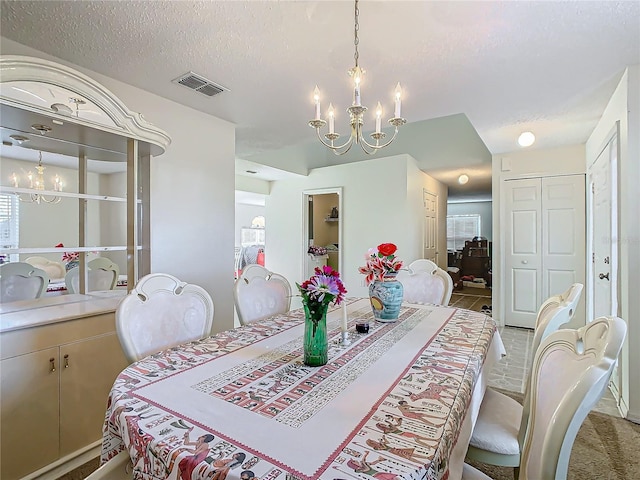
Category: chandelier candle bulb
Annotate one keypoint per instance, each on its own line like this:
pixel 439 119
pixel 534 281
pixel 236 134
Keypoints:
pixel 331 118
pixel 316 98
pixel 398 100
pixel 378 117
pixel 356 80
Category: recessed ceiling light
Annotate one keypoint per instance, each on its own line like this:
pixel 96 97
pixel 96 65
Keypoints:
pixel 462 179
pixel 526 139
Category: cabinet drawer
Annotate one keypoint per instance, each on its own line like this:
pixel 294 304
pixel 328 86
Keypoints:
pixel 20 342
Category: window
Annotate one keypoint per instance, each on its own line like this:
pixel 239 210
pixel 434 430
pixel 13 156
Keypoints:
pixel 461 228
pixel 9 225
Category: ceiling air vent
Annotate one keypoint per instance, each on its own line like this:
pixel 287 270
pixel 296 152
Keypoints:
pixel 200 84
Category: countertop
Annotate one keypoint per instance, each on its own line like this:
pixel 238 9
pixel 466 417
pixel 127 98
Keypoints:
pixel 46 310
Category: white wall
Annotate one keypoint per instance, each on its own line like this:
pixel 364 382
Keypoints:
pixel 624 106
pixel 484 209
pixel 523 164
pixel 374 210
pixel 192 190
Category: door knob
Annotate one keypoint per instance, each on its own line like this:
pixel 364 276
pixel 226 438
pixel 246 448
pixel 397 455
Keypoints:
pixel 524 262
pixel 602 276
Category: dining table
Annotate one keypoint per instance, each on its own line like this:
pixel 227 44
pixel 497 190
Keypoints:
pixel 398 402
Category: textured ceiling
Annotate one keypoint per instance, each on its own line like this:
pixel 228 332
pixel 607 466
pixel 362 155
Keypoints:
pixel 548 67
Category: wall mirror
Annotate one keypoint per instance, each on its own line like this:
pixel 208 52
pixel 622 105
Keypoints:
pixel 94 156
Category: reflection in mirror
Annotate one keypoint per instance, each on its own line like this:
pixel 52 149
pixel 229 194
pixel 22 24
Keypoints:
pixel 27 224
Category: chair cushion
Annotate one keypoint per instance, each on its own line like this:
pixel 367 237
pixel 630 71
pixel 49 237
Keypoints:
pixel 498 424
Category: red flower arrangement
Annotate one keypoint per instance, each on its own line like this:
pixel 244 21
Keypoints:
pixel 381 262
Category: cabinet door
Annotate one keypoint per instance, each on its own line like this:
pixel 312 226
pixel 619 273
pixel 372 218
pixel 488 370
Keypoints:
pixel 29 412
pixel 87 373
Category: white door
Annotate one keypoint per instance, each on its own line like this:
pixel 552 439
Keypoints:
pixel 523 262
pixel 430 227
pixel 603 233
pixel 563 242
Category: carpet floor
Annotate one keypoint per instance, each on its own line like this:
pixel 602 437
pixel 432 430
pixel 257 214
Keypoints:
pixel 606 448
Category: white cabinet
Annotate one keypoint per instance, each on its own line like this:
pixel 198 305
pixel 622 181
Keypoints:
pixel 544 231
pixel 28 413
pixel 55 383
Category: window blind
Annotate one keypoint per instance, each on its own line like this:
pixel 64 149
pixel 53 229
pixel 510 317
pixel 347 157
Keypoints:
pixel 9 222
pixel 461 228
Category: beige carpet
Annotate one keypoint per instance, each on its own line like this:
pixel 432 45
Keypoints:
pixel 606 448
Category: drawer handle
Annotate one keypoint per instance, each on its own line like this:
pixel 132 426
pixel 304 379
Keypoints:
pixel 66 361
pixel 525 262
pixel 52 364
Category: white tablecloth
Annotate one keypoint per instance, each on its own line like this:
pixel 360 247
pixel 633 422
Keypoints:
pixel 399 402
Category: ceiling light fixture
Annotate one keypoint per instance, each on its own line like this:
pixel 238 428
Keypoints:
pixel 356 112
pixel 36 182
pixel 526 139
pixel 462 179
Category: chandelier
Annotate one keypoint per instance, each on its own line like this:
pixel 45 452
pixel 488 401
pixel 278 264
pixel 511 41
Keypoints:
pixel 36 182
pixel 356 113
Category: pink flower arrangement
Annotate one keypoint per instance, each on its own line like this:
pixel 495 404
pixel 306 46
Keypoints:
pixel 323 288
pixel 69 256
pixel 381 262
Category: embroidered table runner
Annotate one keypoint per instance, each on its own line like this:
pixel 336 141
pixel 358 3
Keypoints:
pixel 390 405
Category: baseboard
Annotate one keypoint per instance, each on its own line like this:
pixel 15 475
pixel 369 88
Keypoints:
pixel 66 464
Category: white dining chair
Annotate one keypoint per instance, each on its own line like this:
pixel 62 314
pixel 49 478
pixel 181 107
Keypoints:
pixel 102 275
pixel 117 468
pixel 55 270
pixel 259 293
pixel 545 324
pixel 571 371
pixel 21 281
pixel 494 439
pixel 162 312
pixel 424 282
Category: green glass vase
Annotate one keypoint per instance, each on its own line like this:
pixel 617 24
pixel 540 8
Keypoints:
pixel 315 334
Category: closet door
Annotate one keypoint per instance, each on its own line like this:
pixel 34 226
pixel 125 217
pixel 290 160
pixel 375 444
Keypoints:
pixel 544 243
pixel 563 230
pixel 523 260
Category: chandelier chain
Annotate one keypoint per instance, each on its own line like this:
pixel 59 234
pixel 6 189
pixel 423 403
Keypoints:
pixel 356 40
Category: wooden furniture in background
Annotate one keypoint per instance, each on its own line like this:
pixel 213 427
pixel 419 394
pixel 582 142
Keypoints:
pixel 476 260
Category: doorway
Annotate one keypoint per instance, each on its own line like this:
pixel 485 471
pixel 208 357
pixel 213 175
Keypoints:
pixel 322 229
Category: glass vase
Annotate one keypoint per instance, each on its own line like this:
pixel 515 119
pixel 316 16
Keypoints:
pixel 386 298
pixel 315 343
